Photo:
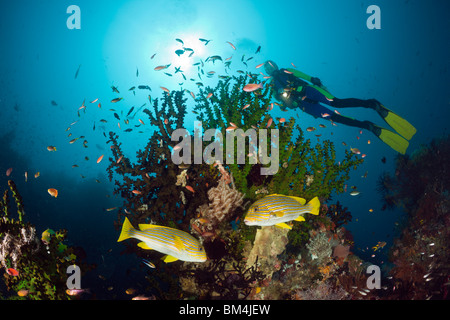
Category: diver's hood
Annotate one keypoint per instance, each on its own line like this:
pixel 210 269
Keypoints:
pixel 270 67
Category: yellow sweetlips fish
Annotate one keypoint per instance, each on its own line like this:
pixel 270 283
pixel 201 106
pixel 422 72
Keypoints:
pixel 277 209
pixel 47 235
pixel 176 244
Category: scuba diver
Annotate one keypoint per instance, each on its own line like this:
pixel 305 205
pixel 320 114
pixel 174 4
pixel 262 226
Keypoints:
pixel 298 90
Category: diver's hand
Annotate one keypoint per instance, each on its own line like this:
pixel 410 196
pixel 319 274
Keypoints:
pixel 316 81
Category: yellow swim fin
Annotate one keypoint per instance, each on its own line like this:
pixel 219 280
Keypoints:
pixel 394 140
pixel 403 127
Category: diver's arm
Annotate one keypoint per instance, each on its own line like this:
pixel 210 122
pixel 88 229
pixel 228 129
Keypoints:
pixel 316 83
pixel 304 76
pixel 299 74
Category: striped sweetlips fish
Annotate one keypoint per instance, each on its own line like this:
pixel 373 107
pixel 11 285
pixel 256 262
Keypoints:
pixel 277 209
pixel 176 244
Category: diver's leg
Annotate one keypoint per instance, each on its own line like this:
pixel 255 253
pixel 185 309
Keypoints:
pixel 334 117
pixel 317 110
pixel 313 108
pixel 400 125
pixel 316 94
pixel 392 139
pixel 355 103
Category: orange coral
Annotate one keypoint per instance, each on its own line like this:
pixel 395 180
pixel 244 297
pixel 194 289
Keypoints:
pixel 326 271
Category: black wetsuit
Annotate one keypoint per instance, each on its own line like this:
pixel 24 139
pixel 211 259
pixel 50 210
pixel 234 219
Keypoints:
pixel 297 93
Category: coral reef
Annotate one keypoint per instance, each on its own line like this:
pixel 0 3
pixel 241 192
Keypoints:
pixel 324 269
pixel 269 243
pixel 11 246
pixel 321 291
pixel 339 214
pixel 221 279
pixel 39 267
pixel 319 247
pixel 161 187
pixel 210 199
pixel 310 171
pixel 420 255
pixel 224 199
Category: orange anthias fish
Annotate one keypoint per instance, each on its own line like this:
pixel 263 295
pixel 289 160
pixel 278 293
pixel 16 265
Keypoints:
pixel 12 272
pixel 75 292
pixel 252 87
pixel 8 172
pixel 158 68
pixel 53 192
pixel 231 45
pixel 22 293
pixel 100 158
pixel 142 298
pixel 190 189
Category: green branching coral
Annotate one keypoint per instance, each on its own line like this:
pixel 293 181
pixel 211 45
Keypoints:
pixel 303 169
pixel 310 171
pixel 4 202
